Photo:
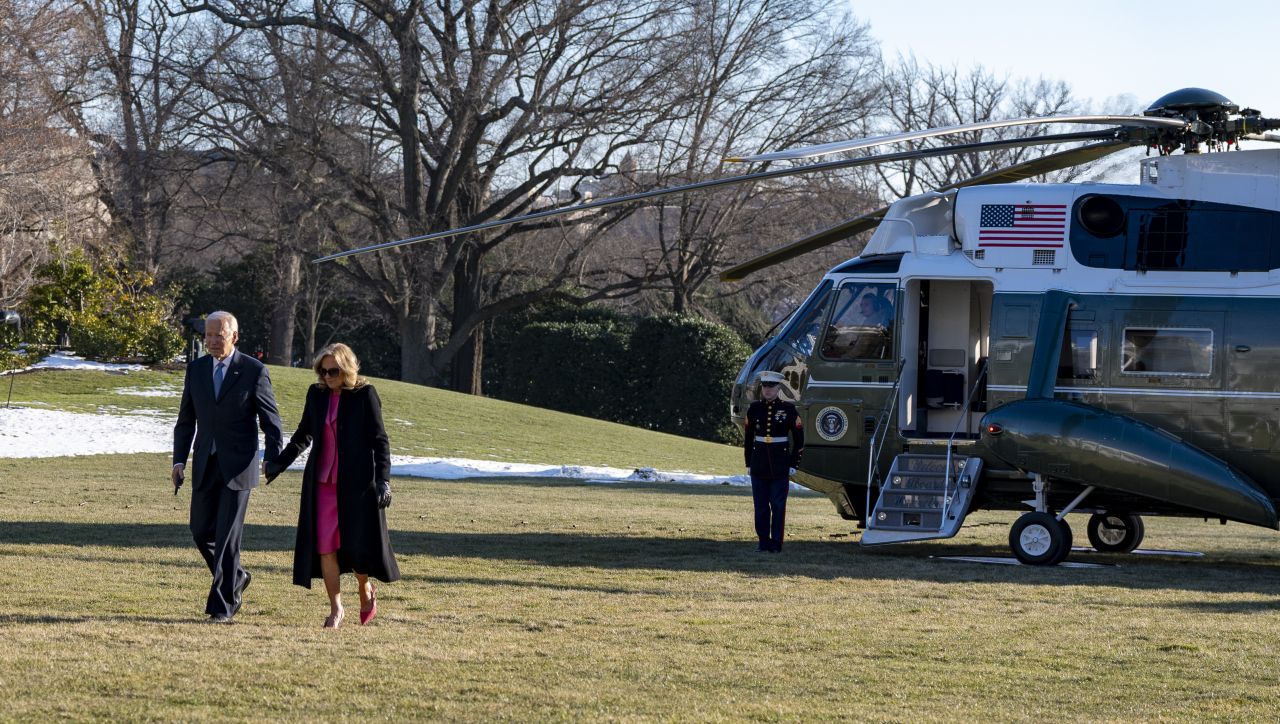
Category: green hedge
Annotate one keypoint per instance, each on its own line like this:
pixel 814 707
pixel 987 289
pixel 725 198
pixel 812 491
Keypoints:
pixel 569 366
pixel 669 373
pixel 682 371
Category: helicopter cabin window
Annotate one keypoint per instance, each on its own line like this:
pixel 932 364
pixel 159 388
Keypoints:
pixel 1162 239
pixel 1079 357
pixel 1144 234
pixel 1155 351
pixel 861 326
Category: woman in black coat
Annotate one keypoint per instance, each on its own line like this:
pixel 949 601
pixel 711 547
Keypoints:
pixel 342 523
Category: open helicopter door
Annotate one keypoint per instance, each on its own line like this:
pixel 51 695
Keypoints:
pixel 946 330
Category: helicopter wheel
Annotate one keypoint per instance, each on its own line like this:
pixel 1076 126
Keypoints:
pixel 1040 539
pixel 1115 532
pixel 1066 542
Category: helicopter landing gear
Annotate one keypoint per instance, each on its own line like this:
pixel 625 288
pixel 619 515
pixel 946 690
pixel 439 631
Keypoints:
pixel 1040 539
pixel 1115 532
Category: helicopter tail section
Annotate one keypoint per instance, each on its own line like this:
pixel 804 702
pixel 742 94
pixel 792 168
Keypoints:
pixel 1084 444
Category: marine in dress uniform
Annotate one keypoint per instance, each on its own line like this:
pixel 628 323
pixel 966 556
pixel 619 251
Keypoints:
pixel 773 443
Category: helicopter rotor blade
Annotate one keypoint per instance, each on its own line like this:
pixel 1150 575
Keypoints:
pixel 853 145
pixel 831 235
pixel 1109 134
pixel 846 229
pixel 1271 137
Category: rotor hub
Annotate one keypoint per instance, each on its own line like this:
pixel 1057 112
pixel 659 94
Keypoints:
pixel 1200 102
pixel 1211 119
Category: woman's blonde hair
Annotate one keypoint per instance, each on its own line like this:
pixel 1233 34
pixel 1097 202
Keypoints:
pixel 347 362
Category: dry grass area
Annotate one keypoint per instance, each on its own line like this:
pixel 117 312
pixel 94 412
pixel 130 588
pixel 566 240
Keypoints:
pixel 552 600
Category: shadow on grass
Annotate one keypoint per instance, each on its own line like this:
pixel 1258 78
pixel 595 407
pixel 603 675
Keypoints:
pixel 134 535
pixel 820 560
pixel 15 618
pixel 437 580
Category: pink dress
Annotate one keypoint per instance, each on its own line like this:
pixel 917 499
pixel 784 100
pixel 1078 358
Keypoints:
pixel 327 540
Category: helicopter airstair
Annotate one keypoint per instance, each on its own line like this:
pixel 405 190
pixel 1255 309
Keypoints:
pixel 925 495
pixel 921 498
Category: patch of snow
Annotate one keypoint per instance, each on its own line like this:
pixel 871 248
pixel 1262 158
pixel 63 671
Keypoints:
pixel 70 361
pixel 35 433
pixel 27 432
pixel 163 391
pixel 459 468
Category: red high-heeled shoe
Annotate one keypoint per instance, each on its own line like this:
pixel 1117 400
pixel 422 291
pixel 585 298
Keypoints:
pixel 367 616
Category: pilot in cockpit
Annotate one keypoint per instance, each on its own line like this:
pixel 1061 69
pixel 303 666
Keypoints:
pixel 875 311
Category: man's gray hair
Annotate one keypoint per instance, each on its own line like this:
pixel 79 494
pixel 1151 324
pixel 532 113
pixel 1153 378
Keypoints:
pixel 228 320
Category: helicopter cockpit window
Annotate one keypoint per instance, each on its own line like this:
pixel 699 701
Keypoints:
pixel 1078 359
pixel 803 336
pixel 1184 352
pixel 861 326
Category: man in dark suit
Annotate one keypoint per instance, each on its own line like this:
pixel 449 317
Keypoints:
pixel 224 394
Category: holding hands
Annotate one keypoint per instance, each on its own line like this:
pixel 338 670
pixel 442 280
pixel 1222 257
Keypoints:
pixel 272 469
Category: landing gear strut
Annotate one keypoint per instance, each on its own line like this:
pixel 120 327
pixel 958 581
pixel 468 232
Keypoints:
pixel 1115 532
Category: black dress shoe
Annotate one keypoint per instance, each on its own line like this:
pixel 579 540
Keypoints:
pixel 248 578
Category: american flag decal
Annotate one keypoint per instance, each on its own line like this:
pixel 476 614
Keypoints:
pixel 1037 225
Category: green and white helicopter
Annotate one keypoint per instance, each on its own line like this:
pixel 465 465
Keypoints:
pixel 1055 349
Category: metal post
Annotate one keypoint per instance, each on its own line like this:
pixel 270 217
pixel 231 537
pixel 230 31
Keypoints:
pixel 9 316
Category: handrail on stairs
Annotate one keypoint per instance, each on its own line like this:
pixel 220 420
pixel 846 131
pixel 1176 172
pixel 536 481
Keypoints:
pixel 964 417
pixel 882 423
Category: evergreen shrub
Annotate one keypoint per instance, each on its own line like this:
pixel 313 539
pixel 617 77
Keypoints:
pixel 669 373
pixel 107 315
pixel 682 370
pixel 577 367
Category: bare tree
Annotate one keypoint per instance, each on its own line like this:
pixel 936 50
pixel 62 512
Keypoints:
pixel 264 116
pixel 44 198
pixel 120 99
pixel 468 112
pixel 926 96
pixel 759 75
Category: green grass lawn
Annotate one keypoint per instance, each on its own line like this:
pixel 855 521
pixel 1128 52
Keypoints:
pixel 555 600
pixel 421 421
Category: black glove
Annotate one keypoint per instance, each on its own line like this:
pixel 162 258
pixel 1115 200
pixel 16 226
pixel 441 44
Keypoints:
pixel 273 470
pixel 383 491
